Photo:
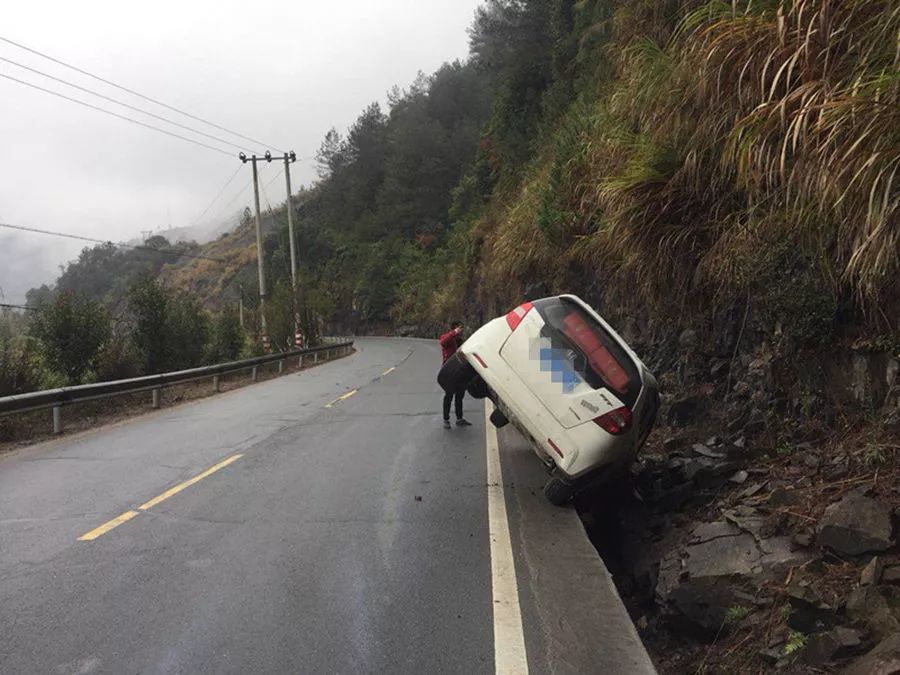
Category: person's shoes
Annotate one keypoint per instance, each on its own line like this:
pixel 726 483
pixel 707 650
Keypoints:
pixel 463 422
pixel 446 424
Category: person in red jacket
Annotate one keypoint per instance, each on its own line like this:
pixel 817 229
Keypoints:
pixel 450 342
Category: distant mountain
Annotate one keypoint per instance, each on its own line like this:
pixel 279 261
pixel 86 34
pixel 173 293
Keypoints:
pixel 200 233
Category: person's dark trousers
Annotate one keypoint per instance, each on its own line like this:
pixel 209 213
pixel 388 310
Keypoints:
pixel 457 397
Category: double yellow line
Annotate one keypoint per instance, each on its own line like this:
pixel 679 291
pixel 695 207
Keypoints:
pixel 128 515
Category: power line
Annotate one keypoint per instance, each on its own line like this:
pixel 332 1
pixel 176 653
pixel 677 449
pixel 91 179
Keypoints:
pixel 121 103
pixel 218 195
pixel 237 195
pixel 106 241
pixel 7 306
pixel 115 114
pixel 134 93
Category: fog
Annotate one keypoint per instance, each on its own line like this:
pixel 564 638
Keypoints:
pixel 280 73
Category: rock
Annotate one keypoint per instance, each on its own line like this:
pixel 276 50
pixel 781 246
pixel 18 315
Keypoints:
pixel 713 441
pixel 739 478
pixel 672 443
pixel 804 539
pixel 782 497
pixel 837 469
pixel 704 451
pixel 753 490
pixel 697 581
pixel 883 660
pixel 838 643
pixel 891 575
pixel 770 655
pixel 706 472
pixel 808 613
pixel 856 525
pixel 876 606
pixel 871 573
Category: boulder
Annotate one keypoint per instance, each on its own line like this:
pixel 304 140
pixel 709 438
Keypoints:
pixel 876 606
pixel 838 643
pixel 698 581
pixel 856 525
pixel 883 660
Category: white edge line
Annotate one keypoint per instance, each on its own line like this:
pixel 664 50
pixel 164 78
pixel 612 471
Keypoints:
pixel 509 638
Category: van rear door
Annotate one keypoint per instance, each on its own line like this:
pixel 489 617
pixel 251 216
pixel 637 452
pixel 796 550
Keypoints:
pixel 571 362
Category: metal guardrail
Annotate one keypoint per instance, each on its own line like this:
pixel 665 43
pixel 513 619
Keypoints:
pixel 56 398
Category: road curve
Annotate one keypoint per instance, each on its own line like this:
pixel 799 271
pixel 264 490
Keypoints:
pixel 318 522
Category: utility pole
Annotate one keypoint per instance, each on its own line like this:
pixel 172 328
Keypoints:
pixel 288 159
pixel 241 305
pixel 260 257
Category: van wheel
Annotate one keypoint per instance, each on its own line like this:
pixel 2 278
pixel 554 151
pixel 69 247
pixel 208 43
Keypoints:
pixel 498 419
pixel 558 492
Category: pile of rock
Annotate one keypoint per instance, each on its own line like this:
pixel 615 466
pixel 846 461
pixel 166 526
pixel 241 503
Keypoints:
pixel 729 570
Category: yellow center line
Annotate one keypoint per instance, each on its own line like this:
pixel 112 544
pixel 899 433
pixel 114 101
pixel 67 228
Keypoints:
pixel 186 484
pixel 389 371
pixel 128 515
pixel 107 526
pixel 341 398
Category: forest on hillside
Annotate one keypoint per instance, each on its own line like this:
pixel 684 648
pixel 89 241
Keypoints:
pixel 674 162
pixel 675 155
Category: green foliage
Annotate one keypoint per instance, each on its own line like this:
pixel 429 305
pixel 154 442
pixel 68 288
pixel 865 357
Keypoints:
pixel 20 363
pixel 148 304
pixel 170 329
pixel 796 642
pixel 736 614
pixel 227 337
pixel 280 307
pixel 72 330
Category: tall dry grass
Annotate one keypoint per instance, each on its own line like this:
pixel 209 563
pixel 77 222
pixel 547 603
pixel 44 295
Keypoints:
pixel 760 132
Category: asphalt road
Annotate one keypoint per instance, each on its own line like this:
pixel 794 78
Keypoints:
pixel 335 527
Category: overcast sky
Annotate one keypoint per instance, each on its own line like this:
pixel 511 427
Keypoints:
pixel 282 73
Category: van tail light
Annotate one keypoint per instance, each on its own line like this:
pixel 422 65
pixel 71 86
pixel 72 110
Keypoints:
pixel 616 421
pixel 514 318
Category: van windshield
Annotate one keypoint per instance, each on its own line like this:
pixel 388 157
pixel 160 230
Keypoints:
pixel 592 351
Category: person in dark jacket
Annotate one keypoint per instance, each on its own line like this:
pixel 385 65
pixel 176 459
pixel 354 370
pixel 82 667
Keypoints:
pixel 450 342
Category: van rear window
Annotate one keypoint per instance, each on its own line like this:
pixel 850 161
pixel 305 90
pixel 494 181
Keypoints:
pixel 595 354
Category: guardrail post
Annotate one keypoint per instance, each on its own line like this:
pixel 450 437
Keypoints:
pixel 316 357
pixel 215 383
pixel 57 419
pixel 300 361
pixel 253 374
pixel 281 366
pixel 155 399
